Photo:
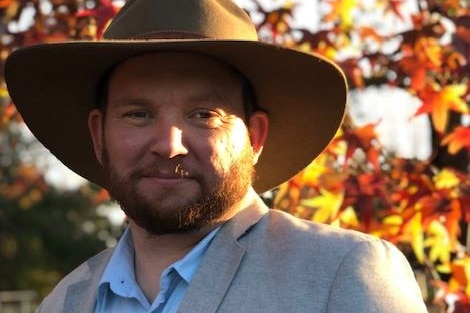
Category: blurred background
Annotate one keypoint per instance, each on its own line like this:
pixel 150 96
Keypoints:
pixel 398 168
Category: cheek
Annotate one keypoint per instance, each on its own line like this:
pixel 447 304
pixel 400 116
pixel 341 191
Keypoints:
pixel 239 138
pixel 229 147
pixel 124 147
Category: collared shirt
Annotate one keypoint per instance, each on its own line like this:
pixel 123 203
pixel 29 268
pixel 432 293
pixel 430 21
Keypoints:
pixel 118 290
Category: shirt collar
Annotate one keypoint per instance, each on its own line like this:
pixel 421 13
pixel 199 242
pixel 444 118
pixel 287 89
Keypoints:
pixel 187 266
pixel 119 273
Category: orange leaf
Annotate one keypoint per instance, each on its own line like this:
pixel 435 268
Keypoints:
pixel 5 3
pixel 394 6
pixel 438 101
pixel 458 139
pixel 429 52
pixel 369 32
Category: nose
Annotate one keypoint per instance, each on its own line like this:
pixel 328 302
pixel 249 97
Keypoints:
pixel 168 142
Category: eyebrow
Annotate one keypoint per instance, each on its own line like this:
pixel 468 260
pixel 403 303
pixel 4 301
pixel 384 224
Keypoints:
pixel 209 96
pixel 124 101
pixel 250 101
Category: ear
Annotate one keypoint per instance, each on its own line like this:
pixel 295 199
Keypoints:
pixel 258 126
pixel 95 126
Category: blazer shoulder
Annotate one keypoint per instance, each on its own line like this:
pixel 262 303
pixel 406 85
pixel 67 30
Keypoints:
pixel 301 238
pixel 88 269
pixel 88 274
pixel 284 226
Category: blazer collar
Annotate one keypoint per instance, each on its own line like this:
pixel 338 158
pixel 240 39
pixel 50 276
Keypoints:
pixel 223 255
pixel 221 261
pixel 81 296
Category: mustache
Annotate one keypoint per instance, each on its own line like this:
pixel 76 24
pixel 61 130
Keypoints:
pixel 164 170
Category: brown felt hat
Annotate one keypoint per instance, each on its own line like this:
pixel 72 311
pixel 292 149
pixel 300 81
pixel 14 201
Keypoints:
pixel 54 86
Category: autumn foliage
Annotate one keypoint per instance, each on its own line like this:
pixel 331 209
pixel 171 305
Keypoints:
pixel 421 205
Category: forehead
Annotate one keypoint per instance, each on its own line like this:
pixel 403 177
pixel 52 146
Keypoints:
pixel 182 67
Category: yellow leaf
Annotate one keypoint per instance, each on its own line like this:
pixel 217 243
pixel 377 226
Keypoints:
pixel 327 205
pixel 3 92
pixel 444 268
pixel 286 198
pixel 313 171
pixel 348 218
pixel 453 94
pixel 446 179
pixel 341 10
pixel 392 224
pixel 449 98
pixel 438 242
pixel 417 242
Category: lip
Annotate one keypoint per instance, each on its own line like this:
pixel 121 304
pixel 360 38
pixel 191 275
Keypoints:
pixel 164 176
pixel 166 180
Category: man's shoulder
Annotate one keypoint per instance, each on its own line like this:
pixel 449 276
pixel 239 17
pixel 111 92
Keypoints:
pixel 88 269
pixel 87 274
pixel 289 226
pixel 281 229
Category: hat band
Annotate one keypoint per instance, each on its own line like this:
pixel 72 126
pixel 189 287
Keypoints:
pixel 169 35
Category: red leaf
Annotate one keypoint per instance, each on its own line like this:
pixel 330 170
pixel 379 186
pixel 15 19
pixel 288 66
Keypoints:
pixel 458 139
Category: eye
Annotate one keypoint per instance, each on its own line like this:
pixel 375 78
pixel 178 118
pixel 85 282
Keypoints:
pixel 206 118
pixel 138 117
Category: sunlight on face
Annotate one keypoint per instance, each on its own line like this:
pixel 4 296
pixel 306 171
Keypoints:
pixel 175 142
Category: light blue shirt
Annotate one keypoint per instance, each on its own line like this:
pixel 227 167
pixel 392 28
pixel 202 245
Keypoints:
pixel 119 292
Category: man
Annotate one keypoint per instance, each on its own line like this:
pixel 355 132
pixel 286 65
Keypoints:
pixel 190 117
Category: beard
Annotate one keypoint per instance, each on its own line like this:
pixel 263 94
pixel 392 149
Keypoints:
pixel 214 199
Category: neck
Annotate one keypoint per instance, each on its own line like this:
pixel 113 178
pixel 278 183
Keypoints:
pixel 154 253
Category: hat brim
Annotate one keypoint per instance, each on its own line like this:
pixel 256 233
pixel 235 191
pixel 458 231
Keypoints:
pixel 54 87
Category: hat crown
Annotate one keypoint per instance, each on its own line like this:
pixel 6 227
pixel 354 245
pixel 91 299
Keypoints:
pixel 181 19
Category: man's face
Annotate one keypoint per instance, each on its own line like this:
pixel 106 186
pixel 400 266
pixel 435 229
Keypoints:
pixel 174 141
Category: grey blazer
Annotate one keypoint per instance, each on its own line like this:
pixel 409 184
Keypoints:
pixel 266 261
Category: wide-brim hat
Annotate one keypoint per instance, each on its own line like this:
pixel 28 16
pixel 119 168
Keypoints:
pixel 54 86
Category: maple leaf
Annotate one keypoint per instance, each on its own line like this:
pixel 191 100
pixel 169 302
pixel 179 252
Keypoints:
pixel 347 218
pixel 327 205
pixel 320 173
pixel 415 229
pixel 438 242
pixel 354 72
pixel 389 227
pixel 452 222
pixel 341 11
pixel 460 269
pixel 429 52
pixel 438 101
pixel 369 32
pixel 395 7
pixel 446 178
pixel 458 139
pixel 363 138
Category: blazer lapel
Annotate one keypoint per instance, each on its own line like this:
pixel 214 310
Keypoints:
pixel 81 296
pixel 221 261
